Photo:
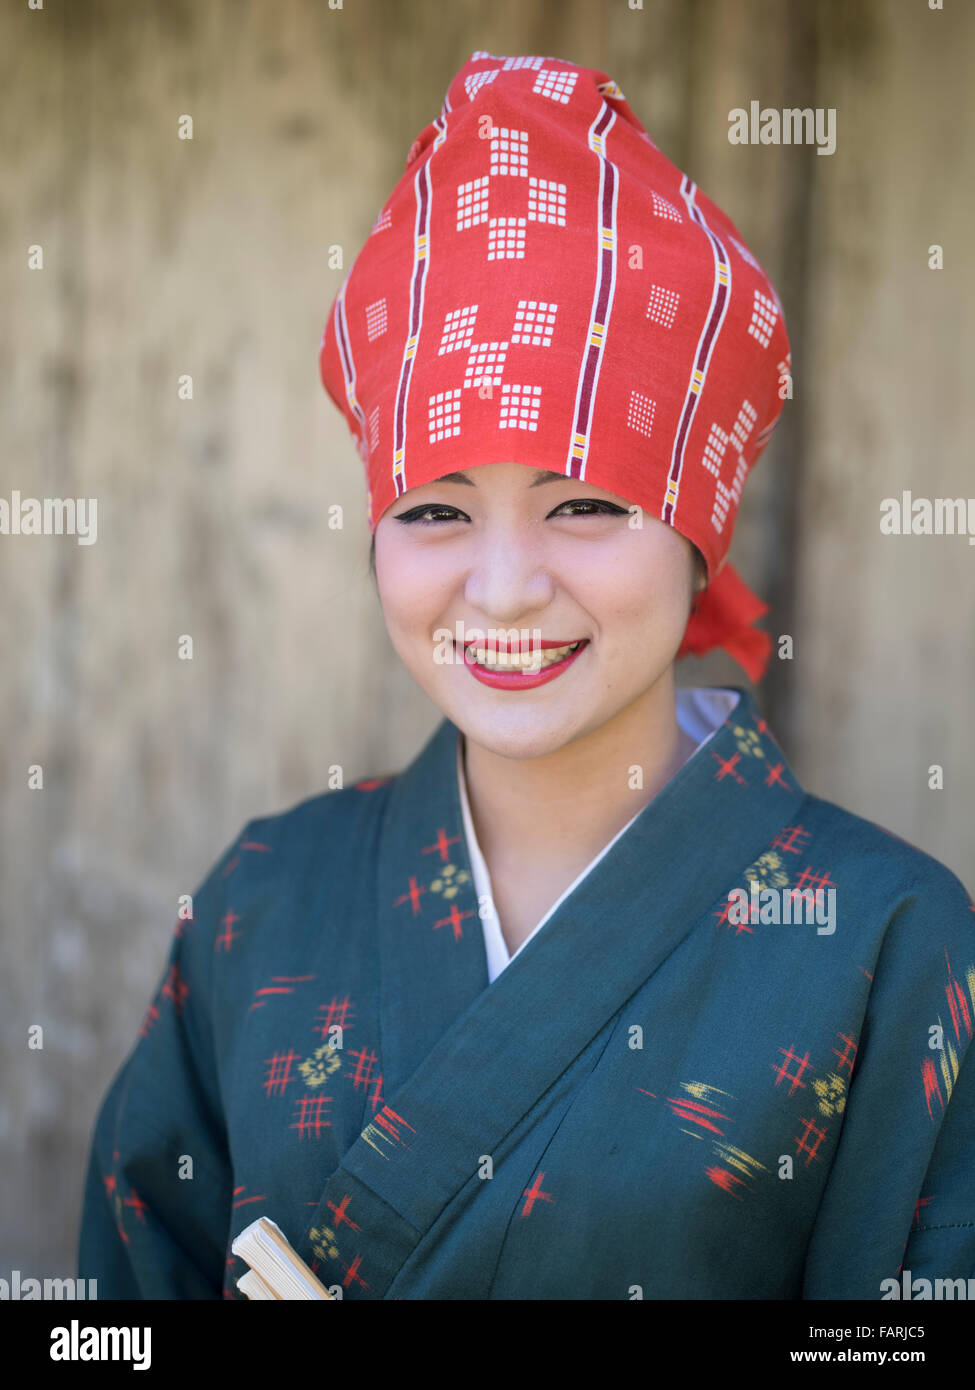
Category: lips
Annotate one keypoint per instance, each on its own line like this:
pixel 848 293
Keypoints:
pixel 520 656
pixel 525 669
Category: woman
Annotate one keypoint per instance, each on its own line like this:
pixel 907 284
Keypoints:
pixel 592 1000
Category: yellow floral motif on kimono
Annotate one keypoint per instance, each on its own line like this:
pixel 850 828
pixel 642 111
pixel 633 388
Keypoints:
pixel 767 871
pixel 323 1242
pixel 747 741
pixel 831 1091
pixel 450 881
pixel 317 1068
pixel 737 1158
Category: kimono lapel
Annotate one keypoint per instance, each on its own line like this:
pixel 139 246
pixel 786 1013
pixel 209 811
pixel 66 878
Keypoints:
pixel 432 961
pixel 466 1062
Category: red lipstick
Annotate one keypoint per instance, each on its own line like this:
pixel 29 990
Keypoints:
pixel 524 680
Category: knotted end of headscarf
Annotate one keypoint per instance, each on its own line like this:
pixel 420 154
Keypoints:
pixel 724 615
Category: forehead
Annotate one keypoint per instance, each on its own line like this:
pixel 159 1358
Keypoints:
pixel 519 477
pixel 538 476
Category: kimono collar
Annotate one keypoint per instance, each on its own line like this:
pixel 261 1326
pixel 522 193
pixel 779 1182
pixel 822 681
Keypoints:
pixel 730 793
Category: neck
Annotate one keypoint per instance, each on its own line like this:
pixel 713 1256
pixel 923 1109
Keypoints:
pixel 565 805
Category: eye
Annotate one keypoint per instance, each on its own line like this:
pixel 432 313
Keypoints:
pixel 602 508
pixel 421 515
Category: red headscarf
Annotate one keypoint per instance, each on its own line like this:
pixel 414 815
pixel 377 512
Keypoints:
pixel 544 286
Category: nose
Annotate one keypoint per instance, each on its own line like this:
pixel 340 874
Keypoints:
pixel 508 581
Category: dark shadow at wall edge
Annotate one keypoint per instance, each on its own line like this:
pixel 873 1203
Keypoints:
pixel 800 81
pixel 821 39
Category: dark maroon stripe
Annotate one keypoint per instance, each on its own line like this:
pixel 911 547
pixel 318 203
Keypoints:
pixel 419 272
pixel 342 341
pixel 348 365
pixel 685 421
pixel 712 327
pixel 605 267
pixel 421 268
pixel 702 356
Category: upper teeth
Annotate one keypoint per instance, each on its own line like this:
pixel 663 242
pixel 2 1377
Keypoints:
pixel 520 661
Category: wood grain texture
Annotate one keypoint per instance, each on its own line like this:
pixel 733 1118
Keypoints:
pixel 211 257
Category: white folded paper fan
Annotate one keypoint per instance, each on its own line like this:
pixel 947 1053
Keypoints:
pixel 276 1271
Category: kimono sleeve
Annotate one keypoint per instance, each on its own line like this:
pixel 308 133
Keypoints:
pixel 899 1204
pixel 158 1193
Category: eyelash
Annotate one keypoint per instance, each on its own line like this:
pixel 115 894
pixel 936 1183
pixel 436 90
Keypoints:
pixel 416 517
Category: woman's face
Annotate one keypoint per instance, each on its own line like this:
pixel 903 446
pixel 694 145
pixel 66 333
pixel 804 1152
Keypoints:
pixel 503 546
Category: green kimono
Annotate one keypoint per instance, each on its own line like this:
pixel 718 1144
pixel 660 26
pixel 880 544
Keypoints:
pixel 671 1092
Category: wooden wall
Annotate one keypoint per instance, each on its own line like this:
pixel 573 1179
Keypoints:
pixel 209 257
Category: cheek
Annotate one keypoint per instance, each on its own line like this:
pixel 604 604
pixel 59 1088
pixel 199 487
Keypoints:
pixel 638 595
pixel 410 590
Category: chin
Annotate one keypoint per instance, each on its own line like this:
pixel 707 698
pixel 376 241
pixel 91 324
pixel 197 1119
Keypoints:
pixel 519 733
pixel 517 744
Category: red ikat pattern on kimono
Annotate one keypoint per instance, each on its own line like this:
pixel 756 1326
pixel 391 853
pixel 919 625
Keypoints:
pixel 448 882
pixel 534 1194
pixel 280 984
pixel 939 1070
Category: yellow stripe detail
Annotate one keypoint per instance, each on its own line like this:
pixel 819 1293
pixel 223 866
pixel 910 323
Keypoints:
pixel 367 1134
pixel 949 1072
pixel 737 1158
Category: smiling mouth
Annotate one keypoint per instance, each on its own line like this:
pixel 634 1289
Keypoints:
pixel 535 659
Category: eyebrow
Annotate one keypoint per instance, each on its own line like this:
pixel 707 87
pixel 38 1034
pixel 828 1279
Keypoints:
pixel 542 476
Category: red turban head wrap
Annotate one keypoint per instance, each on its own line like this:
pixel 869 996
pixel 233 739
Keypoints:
pixel 544 286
